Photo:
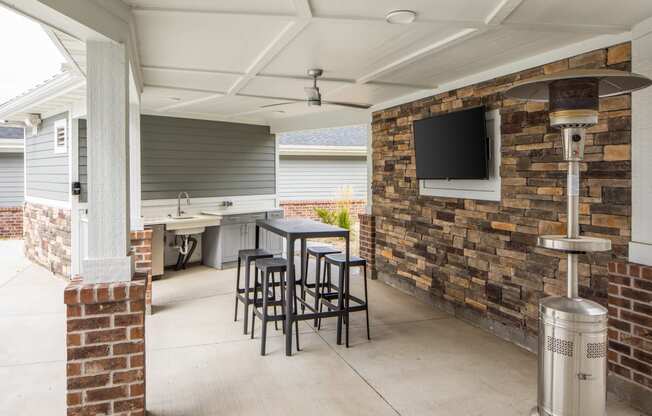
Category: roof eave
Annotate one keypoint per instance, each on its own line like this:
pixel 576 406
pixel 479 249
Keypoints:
pixel 53 88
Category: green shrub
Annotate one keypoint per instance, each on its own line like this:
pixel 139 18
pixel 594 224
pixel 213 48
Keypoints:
pixel 340 217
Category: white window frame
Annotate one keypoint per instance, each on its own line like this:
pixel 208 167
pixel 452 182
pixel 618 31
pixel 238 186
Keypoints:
pixel 480 189
pixel 59 124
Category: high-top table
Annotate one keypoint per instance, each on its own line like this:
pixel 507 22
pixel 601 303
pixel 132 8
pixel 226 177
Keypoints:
pixel 294 229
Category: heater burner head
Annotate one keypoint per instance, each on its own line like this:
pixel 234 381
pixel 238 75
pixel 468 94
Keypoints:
pixel 610 82
pixel 574 95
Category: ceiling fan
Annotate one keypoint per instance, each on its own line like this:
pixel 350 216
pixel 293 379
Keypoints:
pixel 314 96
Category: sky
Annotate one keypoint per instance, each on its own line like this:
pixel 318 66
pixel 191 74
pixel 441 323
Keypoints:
pixel 27 55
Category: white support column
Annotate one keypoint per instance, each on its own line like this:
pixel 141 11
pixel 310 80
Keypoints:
pixel 108 164
pixel 370 165
pixel 640 248
pixel 134 155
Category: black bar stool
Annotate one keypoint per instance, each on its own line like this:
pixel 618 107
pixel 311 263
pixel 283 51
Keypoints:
pixel 344 296
pixel 268 267
pixel 247 257
pixel 314 289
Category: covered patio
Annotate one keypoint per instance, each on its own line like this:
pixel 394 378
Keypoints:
pixel 500 173
pixel 420 360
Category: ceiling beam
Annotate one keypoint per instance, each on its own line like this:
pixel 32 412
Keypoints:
pixel 504 9
pixel 191 70
pixel 434 47
pixel 287 35
pixel 275 76
pixel 191 102
pixel 578 29
pixel 204 11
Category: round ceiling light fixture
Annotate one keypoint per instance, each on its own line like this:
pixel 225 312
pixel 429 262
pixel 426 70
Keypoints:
pixel 401 17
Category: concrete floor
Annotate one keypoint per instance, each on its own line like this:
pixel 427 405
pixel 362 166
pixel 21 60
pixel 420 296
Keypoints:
pixel 419 362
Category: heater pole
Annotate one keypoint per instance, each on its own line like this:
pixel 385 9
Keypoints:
pixel 573 138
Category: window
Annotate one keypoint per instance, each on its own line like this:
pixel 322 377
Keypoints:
pixel 61 136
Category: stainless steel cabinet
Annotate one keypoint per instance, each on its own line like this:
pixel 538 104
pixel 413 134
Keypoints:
pixel 220 244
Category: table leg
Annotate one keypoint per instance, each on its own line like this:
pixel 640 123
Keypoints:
pixel 289 304
pixel 257 236
pixel 347 277
pixel 304 272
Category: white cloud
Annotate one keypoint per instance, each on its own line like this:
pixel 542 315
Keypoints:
pixel 27 55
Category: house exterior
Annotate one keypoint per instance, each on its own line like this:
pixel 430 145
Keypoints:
pixel 321 168
pixel 12 179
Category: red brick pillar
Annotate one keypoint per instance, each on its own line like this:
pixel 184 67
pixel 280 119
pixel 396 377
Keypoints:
pixel 141 246
pixel 630 333
pixel 368 241
pixel 105 348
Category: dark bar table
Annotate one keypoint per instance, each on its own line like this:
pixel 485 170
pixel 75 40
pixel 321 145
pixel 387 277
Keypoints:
pixel 294 229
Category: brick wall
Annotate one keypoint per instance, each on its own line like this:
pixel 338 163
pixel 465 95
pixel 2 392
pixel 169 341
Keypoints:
pixel 479 259
pixel 630 333
pixel 11 223
pixel 367 241
pixel 306 208
pixel 47 237
pixel 141 246
pixel 105 348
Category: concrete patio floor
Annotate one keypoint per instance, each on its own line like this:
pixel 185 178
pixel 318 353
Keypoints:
pixel 419 362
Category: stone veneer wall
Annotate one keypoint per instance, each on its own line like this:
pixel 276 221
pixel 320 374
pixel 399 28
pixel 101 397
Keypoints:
pixel 11 223
pixel 479 259
pixel 47 237
pixel 630 333
pixel 306 209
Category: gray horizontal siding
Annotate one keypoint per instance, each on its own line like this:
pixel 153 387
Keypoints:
pixel 11 180
pixel 303 177
pixel 83 160
pixel 47 172
pixel 205 158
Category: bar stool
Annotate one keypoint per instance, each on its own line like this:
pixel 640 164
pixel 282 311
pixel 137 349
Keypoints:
pixel 268 267
pixel 247 257
pixel 319 252
pixel 344 297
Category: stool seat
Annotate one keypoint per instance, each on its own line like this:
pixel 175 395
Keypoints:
pixel 272 264
pixel 251 254
pixel 340 259
pixel 322 250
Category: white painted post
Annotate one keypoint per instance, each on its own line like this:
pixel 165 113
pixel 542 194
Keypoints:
pixel 370 166
pixel 108 164
pixel 640 248
pixel 134 155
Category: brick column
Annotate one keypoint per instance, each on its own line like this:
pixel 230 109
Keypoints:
pixel 141 246
pixel 368 241
pixel 630 333
pixel 105 348
pixel 11 223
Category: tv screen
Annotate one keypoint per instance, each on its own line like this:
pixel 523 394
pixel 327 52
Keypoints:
pixel 452 145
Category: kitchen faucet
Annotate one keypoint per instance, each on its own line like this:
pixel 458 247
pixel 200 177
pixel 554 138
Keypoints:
pixel 179 212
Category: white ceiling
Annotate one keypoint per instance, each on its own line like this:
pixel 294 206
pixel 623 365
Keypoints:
pixel 225 59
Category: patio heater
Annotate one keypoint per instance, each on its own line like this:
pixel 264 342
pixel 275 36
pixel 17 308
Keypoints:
pixel 572 330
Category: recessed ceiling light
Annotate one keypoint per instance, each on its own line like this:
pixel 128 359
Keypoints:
pixel 177 99
pixel 401 17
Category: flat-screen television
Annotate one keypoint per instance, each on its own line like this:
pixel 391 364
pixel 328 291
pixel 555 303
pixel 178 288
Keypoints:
pixel 452 145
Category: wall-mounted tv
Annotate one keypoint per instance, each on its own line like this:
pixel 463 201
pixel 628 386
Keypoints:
pixel 452 145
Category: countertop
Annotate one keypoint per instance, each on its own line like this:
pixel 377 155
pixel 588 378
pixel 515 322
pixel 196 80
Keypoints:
pixel 208 218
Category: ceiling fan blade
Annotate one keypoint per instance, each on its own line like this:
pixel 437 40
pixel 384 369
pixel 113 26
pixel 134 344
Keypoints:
pixel 280 104
pixel 349 105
